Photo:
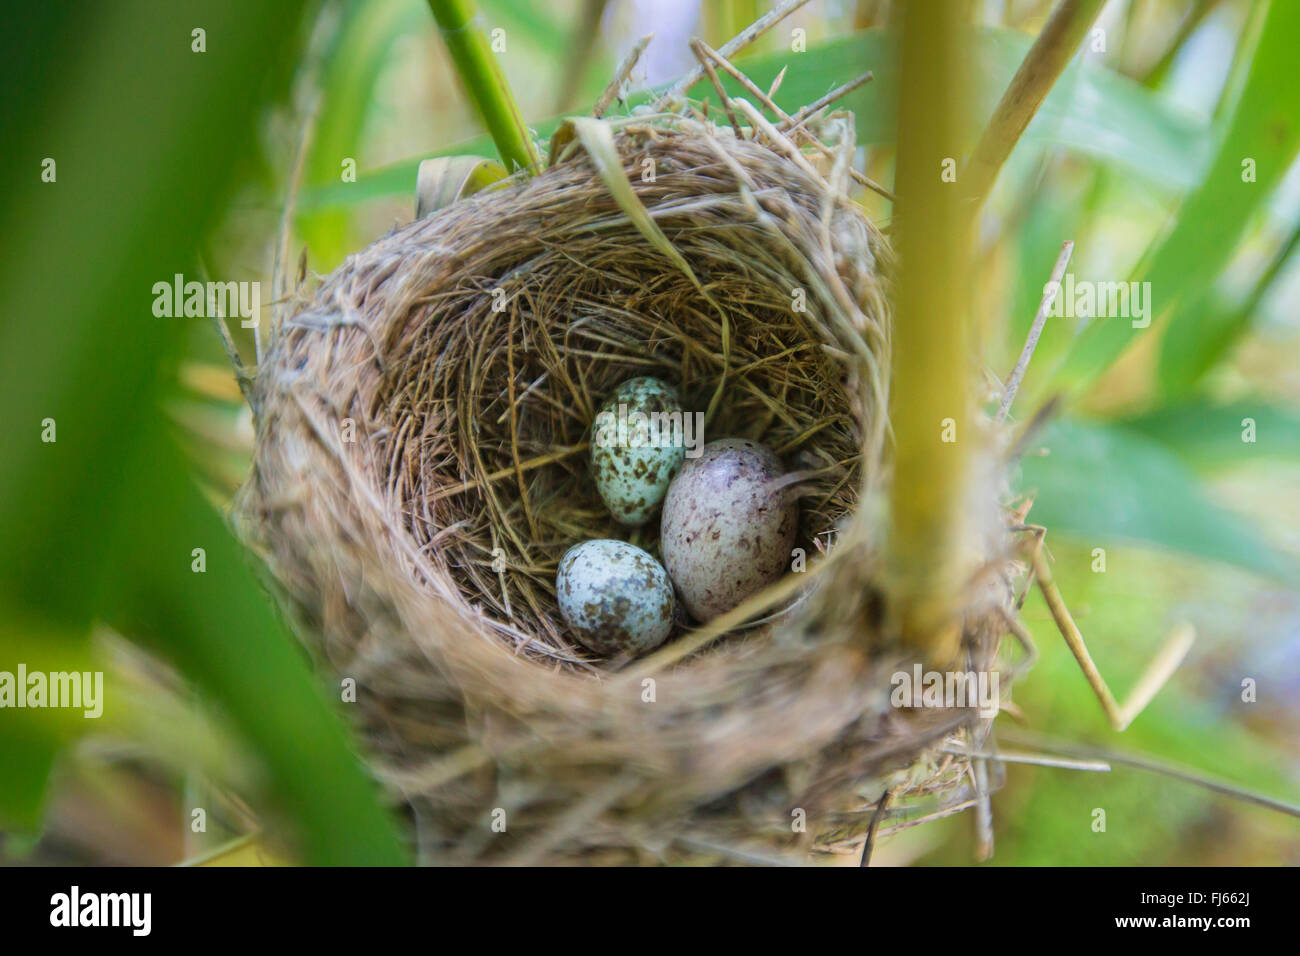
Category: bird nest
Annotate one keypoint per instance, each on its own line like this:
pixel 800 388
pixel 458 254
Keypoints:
pixel 422 464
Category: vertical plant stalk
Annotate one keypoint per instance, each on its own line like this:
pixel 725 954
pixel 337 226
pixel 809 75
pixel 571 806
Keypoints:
pixel 581 46
pixel 1034 79
pixel 929 551
pixel 486 84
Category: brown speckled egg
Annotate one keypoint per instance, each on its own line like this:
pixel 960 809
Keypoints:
pixel 615 597
pixel 725 533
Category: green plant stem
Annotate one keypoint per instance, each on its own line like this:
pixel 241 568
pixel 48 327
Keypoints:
pixel 929 557
pixel 486 84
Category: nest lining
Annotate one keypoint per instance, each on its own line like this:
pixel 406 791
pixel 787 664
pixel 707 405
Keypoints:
pixel 421 467
pixel 488 395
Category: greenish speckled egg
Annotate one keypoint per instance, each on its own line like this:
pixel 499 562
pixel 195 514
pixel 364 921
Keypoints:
pixel 636 448
pixel 616 598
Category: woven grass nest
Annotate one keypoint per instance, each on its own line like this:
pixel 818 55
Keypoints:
pixel 422 465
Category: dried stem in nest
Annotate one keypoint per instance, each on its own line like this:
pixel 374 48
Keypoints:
pixel 729 49
pixel 615 88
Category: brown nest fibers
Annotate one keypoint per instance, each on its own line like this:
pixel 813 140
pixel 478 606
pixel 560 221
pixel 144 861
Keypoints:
pixel 422 464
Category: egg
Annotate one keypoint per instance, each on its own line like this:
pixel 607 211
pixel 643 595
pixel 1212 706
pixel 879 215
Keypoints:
pixel 635 449
pixel 615 597
pixel 726 532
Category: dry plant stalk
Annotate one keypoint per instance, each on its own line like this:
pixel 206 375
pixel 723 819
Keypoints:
pixel 1034 79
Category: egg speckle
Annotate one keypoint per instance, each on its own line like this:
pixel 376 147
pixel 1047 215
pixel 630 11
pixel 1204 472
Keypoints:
pixel 633 452
pixel 725 533
pixel 615 597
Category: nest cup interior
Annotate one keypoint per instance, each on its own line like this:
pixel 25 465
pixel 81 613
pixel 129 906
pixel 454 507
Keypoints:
pixel 514 314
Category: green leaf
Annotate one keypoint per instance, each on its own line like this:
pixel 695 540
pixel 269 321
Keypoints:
pixel 1106 484
pixel 1092 111
pixel 101 523
pixel 1208 435
pixel 1265 130
pixel 1205 330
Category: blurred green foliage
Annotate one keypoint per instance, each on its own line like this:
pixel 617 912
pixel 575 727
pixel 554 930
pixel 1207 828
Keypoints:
pixel 1255 151
pixel 1108 481
pixel 100 524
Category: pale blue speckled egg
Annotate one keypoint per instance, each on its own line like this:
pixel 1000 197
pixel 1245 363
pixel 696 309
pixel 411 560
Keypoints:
pixel 615 597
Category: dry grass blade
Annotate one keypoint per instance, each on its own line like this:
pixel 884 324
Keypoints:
pixel 698 49
pixel 788 125
pixel 1034 79
pixel 614 90
pixel 1037 760
pixel 1157 674
pixel 1140 762
pixel 598 141
pixel 733 46
pixel 812 109
pixel 1050 291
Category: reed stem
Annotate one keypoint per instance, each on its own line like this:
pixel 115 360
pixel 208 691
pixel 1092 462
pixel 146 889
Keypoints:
pixel 929 550
pixel 477 67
